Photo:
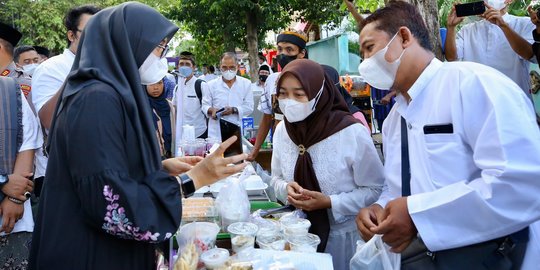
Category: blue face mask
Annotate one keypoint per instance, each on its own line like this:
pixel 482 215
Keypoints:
pixel 185 71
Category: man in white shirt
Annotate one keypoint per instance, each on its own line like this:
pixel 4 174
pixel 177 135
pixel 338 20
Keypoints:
pixel 473 145
pixel 16 167
pixel 51 74
pixel 208 71
pixel 501 41
pixel 188 99
pixel 229 94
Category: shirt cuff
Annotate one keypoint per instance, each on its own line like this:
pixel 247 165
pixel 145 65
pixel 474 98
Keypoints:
pixel 336 205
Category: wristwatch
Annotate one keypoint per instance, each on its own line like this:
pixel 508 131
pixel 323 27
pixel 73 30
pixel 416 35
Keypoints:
pixel 3 179
pixel 188 187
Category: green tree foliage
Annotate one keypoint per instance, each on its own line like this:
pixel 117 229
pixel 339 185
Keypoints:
pixel 225 25
pixel 42 21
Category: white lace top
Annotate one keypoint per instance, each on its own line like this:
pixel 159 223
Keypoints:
pixel 347 165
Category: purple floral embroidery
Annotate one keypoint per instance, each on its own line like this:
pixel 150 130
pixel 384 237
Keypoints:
pixel 116 222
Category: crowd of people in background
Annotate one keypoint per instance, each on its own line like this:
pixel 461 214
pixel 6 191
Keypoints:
pixel 91 139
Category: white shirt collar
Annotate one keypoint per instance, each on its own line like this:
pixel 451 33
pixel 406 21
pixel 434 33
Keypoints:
pixel 420 84
pixel 69 53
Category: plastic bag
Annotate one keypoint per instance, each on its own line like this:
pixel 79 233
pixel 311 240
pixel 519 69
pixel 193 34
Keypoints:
pixel 194 239
pixel 267 178
pixel 232 203
pixel 375 255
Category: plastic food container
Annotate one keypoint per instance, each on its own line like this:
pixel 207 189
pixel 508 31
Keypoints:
pixel 294 226
pixel 215 258
pixel 304 243
pixel 271 242
pixel 202 234
pixel 242 235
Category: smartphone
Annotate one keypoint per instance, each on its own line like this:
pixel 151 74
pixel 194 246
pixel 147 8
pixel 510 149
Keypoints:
pixel 470 9
pixel 229 129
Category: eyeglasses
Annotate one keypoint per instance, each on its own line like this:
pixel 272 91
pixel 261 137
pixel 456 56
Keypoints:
pixel 225 68
pixel 165 50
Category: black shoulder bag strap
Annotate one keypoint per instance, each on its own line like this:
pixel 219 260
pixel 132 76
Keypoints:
pixel 405 164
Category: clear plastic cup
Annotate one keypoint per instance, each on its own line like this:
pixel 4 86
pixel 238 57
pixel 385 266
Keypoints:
pixel 271 241
pixel 199 147
pixel 210 142
pixel 304 243
pixel 215 258
pixel 294 226
pixel 242 235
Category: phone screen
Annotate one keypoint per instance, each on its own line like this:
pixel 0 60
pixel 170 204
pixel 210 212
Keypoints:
pixel 470 9
pixel 229 129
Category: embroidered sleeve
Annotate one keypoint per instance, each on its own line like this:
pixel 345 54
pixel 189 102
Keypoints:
pixel 118 224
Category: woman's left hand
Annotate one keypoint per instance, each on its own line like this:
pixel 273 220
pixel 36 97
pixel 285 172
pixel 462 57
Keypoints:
pixel 315 201
pixel 179 165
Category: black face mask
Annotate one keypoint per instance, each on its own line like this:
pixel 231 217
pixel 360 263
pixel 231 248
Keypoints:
pixel 263 78
pixel 283 60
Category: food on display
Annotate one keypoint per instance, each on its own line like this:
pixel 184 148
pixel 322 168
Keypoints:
pixel 215 258
pixel 304 243
pixel 242 235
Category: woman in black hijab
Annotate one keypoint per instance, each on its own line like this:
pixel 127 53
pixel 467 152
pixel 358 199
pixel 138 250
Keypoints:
pixel 108 198
pixel 163 117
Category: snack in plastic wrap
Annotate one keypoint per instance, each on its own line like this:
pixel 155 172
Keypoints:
pixel 188 259
pixel 199 209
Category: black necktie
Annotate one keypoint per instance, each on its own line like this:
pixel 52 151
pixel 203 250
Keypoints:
pixel 405 165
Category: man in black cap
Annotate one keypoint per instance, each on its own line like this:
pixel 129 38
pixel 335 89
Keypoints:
pixel 43 52
pixel 9 37
pixel 291 45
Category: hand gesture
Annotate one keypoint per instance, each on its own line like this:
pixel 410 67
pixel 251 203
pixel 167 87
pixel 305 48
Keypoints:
pixel 453 20
pixel 533 16
pixel 309 200
pixel 11 213
pixel 493 16
pixel 368 218
pixel 215 167
pixel 178 165
pixel 227 111
pixel 18 185
pixel 396 225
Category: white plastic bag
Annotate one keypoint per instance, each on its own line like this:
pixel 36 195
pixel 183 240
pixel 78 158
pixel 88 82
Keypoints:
pixel 375 255
pixel 232 203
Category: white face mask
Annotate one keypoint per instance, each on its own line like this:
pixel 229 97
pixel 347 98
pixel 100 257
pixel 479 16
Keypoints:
pixel 30 68
pixel 152 70
pixel 296 111
pixel 229 74
pixel 378 72
pixel 496 4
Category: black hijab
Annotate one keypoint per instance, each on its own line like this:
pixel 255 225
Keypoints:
pixel 113 46
pixel 334 76
pixel 162 110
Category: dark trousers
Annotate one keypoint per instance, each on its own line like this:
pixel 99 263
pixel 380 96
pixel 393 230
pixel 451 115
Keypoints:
pixel 505 253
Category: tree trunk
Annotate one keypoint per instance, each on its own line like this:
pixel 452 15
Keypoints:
pixel 430 12
pixel 252 43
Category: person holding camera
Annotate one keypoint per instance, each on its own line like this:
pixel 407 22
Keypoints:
pixel 501 41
